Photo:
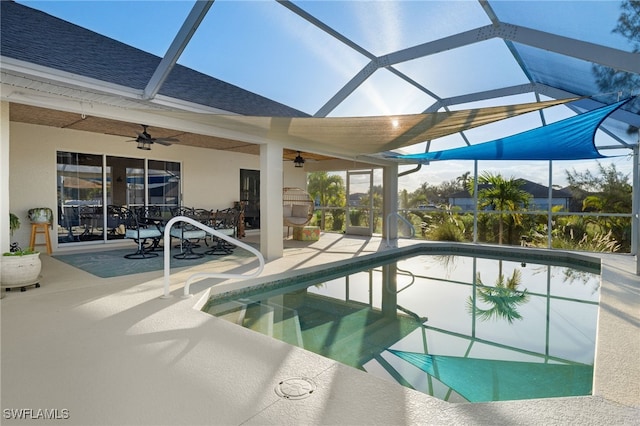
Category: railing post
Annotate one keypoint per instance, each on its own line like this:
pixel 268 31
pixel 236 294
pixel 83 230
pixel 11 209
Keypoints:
pixel 413 231
pixel 167 256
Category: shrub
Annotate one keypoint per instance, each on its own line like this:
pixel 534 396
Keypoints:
pixel 446 231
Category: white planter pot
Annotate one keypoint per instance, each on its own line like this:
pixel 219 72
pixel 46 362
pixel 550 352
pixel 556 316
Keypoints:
pixel 20 271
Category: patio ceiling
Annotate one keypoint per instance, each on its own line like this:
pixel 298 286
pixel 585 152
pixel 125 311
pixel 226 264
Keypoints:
pixel 69 120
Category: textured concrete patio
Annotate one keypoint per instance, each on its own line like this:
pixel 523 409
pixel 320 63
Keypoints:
pixel 110 351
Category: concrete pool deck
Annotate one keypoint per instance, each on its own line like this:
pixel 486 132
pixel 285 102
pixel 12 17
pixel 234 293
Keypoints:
pixel 110 351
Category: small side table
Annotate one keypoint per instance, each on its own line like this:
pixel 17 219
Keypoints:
pixel 306 233
pixel 40 228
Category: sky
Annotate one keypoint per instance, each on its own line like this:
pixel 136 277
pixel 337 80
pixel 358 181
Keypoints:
pixel 263 47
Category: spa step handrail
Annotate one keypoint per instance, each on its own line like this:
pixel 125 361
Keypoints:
pixel 218 234
pixel 413 279
pixel 413 230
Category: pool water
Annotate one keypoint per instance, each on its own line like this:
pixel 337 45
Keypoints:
pixel 460 328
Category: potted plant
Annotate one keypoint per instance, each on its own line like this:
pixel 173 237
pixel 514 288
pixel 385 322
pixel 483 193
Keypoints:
pixel 14 223
pixel 40 215
pixel 20 268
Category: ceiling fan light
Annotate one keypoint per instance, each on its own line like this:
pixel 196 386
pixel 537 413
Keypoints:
pixel 298 161
pixel 144 145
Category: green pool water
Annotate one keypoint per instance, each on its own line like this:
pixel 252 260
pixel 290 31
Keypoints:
pixel 460 328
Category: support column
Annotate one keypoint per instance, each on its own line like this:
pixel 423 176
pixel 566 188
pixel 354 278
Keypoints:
pixel 389 290
pixel 550 206
pixel 5 236
pixel 271 241
pixel 390 195
pixel 635 206
pixel 475 201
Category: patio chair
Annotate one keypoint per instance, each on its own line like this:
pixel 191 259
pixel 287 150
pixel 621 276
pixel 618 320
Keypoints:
pixel 151 216
pixel 297 207
pixel 139 232
pixel 188 234
pixel 114 221
pixel 87 218
pixel 204 216
pixel 69 218
pixel 226 222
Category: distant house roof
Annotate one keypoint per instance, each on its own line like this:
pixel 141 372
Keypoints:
pixel 36 37
pixel 535 189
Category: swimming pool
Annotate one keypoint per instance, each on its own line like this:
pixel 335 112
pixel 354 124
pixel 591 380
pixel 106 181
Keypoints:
pixel 458 327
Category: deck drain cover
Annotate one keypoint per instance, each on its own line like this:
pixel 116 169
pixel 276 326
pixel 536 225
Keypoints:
pixel 295 388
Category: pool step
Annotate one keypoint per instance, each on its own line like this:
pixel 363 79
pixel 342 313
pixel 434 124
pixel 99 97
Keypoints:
pixel 350 333
pixel 274 320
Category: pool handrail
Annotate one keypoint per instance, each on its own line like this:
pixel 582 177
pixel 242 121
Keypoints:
pixel 413 279
pixel 404 219
pixel 214 232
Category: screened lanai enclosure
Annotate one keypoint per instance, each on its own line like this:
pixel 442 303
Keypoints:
pixel 432 102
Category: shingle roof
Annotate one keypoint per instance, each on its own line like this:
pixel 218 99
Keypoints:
pixel 36 37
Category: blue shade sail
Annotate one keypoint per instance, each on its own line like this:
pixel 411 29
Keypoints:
pixel 568 139
pixel 483 380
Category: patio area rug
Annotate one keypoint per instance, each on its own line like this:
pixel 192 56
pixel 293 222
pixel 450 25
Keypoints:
pixel 112 263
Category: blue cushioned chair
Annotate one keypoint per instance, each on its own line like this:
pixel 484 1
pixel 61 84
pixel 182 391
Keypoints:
pixel 140 233
pixel 187 234
pixel 152 216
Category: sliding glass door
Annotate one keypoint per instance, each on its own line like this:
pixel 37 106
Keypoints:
pixel 80 194
pixel 91 188
pixel 163 185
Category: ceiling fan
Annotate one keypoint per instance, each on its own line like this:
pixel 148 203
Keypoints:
pixel 297 157
pixel 144 140
pixel 298 161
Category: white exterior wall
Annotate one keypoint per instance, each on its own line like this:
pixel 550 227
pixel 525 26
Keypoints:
pixel 32 174
pixel 4 178
pixel 295 177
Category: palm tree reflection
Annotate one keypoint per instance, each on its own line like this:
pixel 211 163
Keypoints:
pixel 502 300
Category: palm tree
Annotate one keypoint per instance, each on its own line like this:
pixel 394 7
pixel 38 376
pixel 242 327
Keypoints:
pixel 328 189
pixel 420 195
pixel 503 299
pixel 404 199
pixel 608 191
pixel 378 199
pixel 503 195
pixel 463 180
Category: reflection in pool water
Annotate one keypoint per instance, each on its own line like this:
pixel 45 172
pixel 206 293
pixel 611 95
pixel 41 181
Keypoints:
pixel 502 299
pixel 456 327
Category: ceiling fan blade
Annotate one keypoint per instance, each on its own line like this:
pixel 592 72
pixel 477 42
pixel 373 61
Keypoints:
pixel 144 139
